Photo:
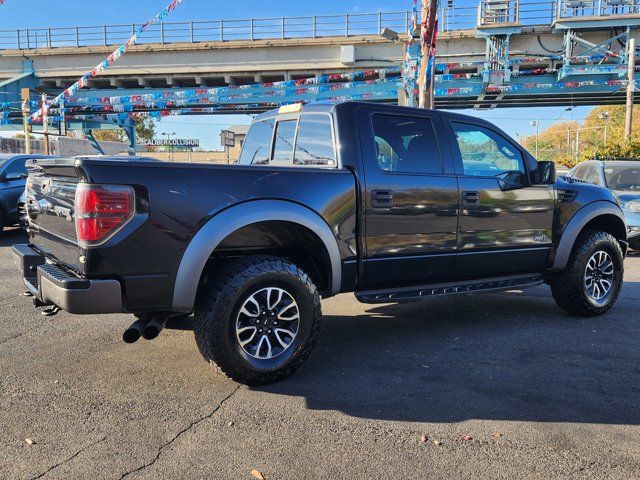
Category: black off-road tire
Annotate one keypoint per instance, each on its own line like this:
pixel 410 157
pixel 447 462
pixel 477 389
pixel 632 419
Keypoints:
pixel 569 288
pixel 2 225
pixel 219 301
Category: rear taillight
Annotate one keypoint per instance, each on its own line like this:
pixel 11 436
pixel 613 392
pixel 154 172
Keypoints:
pixel 102 210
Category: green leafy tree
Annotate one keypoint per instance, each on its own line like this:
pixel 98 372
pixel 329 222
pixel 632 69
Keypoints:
pixel 145 130
pixel 555 143
pixel 600 135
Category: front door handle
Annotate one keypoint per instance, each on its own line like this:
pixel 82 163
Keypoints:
pixel 470 199
pixel 382 198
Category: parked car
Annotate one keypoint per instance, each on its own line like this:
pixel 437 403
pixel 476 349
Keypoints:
pixel 623 177
pixel 395 204
pixel 13 174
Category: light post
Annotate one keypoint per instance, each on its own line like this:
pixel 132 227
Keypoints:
pixel 536 123
pixel 605 116
pixel 169 135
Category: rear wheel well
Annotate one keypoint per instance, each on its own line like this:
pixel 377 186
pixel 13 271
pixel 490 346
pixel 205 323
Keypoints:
pixel 283 239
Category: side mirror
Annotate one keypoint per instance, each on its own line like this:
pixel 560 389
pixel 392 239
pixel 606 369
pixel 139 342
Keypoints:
pixel 511 180
pixel 545 173
pixel 13 176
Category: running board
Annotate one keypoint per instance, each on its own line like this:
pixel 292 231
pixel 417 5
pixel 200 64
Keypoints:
pixel 412 294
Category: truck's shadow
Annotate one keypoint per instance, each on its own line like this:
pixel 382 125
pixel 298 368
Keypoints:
pixel 503 356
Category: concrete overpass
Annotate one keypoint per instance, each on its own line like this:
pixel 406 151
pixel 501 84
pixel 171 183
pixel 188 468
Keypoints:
pixel 490 53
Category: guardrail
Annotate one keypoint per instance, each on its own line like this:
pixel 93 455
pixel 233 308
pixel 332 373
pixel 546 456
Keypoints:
pixel 316 26
pixel 596 8
pixel 467 16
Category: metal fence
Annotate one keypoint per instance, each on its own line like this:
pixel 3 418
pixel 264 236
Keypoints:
pixel 462 15
pixel 596 8
pixel 316 26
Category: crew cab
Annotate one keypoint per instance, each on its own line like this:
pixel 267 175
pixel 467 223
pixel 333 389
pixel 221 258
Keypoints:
pixel 392 203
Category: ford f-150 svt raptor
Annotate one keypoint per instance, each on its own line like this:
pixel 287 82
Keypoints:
pixel 395 204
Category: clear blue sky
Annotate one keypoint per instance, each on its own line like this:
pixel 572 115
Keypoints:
pixel 47 13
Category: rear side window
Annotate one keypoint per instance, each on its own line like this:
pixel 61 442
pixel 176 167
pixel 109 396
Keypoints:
pixel 257 145
pixel 314 144
pixel 406 144
pixel 283 146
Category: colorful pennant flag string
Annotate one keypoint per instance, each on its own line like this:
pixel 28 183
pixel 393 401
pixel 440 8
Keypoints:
pixel 323 83
pixel 111 59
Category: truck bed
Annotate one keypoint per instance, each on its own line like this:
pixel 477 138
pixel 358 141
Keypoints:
pixel 172 202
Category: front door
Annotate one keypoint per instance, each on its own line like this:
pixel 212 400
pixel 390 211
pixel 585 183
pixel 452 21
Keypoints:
pixel 411 199
pixel 505 221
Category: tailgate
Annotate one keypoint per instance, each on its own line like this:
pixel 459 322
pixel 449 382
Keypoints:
pixel 50 196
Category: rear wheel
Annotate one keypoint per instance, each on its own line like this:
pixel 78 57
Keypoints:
pixel 2 221
pixel 257 319
pixel 591 281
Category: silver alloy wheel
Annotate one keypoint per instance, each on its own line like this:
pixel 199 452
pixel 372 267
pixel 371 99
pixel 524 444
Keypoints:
pixel 598 276
pixel 267 323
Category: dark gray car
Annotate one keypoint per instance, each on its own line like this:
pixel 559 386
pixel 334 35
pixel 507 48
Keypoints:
pixel 13 176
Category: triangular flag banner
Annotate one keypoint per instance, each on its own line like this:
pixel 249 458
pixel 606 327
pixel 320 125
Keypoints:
pixel 110 60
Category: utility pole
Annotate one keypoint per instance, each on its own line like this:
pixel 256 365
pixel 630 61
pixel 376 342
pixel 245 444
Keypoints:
pixel 427 48
pixel 45 124
pixel 26 112
pixel 536 123
pixel 605 116
pixel 630 89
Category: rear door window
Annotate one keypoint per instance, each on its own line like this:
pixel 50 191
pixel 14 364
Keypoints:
pixel 284 138
pixel 314 143
pixel 406 144
pixel 257 145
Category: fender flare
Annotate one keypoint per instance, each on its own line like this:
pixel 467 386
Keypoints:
pixel 577 223
pixel 207 238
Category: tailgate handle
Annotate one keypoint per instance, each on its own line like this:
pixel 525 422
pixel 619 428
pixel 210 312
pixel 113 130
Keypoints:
pixel 382 198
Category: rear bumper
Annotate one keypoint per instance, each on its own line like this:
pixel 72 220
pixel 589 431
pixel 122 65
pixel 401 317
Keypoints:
pixel 52 285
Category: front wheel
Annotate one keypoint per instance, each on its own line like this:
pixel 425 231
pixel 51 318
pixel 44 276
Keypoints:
pixel 590 283
pixel 257 319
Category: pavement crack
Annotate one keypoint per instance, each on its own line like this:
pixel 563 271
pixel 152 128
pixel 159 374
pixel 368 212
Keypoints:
pixel 180 433
pixel 69 458
pixel 14 337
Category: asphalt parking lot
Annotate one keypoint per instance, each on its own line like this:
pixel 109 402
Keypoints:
pixel 494 386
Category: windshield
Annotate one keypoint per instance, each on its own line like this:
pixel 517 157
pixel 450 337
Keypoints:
pixel 622 177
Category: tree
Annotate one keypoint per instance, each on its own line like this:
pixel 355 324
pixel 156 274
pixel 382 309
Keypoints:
pixel 555 143
pixel 145 130
pixel 601 135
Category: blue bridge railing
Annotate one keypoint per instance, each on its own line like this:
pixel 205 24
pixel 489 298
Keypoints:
pixel 452 14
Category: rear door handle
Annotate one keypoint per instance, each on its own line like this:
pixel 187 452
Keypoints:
pixel 382 198
pixel 470 199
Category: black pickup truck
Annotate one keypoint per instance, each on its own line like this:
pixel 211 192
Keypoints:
pixel 392 203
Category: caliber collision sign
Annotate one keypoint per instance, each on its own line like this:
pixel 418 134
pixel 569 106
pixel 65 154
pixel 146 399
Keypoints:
pixel 173 142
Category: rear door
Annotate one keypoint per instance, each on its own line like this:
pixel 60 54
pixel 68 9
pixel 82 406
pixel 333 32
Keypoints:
pixel 505 221
pixel 411 199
